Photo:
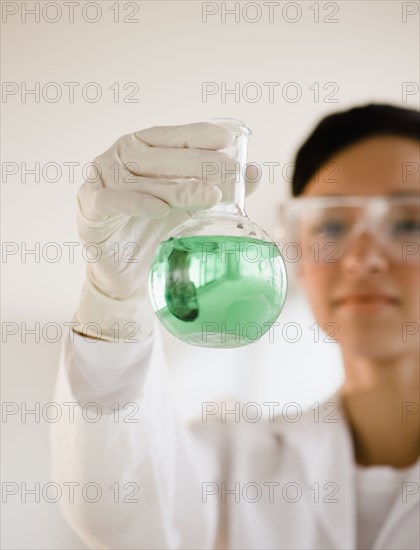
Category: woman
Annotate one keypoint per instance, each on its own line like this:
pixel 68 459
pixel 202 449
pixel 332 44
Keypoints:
pixel 344 480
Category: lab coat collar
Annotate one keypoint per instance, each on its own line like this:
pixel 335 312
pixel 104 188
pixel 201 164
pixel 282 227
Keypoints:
pixel 325 450
pixel 401 506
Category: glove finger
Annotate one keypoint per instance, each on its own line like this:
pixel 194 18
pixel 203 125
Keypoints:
pixel 135 157
pixel 97 204
pixel 199 135
pixel 184 194
pixel 129 203
pixel 153 201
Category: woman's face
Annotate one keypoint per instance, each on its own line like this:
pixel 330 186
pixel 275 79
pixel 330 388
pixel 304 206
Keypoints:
pixel 371 297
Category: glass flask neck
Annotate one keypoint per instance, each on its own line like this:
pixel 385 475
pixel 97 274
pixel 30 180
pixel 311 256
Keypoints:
pixel 232 181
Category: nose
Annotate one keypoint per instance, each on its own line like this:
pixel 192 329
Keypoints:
pixel 363 255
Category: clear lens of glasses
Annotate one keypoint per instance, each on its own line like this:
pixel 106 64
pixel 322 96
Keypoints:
pixel 325 227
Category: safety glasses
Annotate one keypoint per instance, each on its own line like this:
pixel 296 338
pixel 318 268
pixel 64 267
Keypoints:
pixel 325 228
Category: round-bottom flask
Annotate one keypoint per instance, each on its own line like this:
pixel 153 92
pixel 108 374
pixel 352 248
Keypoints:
pixel 218 280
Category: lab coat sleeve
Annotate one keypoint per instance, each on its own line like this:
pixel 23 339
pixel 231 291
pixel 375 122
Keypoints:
pixel 130 472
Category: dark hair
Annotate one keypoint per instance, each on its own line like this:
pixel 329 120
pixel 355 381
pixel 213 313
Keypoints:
pixel 339 130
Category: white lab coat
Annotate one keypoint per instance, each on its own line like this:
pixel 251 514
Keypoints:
pixel 301 471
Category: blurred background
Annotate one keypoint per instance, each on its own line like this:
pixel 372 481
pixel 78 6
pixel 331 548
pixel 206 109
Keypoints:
pixel 76 76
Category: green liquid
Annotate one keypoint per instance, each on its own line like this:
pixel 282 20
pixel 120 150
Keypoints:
pixel 217 291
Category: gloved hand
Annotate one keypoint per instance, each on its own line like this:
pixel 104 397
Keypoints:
pixel 145 186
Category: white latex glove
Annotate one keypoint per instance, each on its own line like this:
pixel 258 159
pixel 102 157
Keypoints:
pixel 130 208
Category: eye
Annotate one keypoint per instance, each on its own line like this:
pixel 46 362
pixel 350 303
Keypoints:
pixel 330 229
pixel 407 226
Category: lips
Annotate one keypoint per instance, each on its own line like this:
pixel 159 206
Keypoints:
pixel 364 300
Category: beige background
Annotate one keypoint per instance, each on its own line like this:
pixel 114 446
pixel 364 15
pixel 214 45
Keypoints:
pixel 368 54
